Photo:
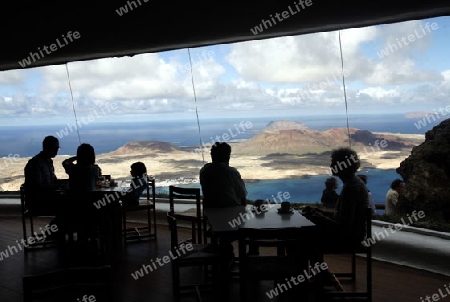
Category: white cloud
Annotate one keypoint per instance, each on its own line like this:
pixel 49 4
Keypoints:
pixel 290 73
pixel 11 77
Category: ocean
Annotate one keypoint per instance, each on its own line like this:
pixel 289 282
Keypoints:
pixel 105 137
pixel 309 190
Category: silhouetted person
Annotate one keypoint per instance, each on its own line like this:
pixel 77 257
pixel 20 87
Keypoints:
pixel 221 184
pixel 138 184
pixel 83 174
pixel 82 217
pixel 329 195
pixel 397 187
pixel 347 227
pixel 40 178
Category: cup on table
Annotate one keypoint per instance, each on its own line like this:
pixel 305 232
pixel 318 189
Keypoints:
pixel 285 206
pixel 258 204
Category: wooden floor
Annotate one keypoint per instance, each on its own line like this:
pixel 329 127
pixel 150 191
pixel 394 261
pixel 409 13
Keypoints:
pixel 390 282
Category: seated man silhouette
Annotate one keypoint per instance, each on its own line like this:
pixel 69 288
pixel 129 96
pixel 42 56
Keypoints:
pixel 41 181
pixel 221 184
pixel 347 226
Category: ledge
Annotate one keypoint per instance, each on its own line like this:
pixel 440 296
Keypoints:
pixel 407 228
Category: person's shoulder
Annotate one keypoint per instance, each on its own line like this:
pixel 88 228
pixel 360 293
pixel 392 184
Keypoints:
pixel 35 159
pixel 205 167
pixel 233 170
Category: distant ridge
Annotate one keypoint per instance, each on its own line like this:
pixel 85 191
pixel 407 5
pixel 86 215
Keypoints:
pixel 285 125
pixel 417 114
pixel 145 147
pixel 285 137
pixel 288 137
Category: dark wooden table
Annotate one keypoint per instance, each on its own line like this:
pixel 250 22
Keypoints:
pixel 228 220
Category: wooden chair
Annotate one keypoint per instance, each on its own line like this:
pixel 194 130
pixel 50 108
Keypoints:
pixel 275 266
pixel 69 284
pixel 196 218
pixel 27 213
pixel 197 255
pixel 149 205
pixel 339 277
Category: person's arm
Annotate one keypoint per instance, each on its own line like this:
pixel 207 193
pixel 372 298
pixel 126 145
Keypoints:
pixel 318 217
pixel 68 164
pixel 370 201
pixel 322 199
pixel 241 190
pixel 394 199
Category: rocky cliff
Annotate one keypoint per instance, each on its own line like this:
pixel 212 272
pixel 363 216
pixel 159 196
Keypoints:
pixel 427 174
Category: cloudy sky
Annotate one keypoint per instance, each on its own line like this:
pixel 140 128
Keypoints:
pixel 393 68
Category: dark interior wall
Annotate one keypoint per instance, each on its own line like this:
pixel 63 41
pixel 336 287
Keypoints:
pixel 157 26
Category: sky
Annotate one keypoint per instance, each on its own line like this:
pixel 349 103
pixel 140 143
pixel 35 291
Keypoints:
pixel 395 68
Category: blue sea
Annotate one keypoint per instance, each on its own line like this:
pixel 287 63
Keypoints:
pixel 310 189
pixel 105 137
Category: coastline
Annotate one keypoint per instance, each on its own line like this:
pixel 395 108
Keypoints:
pixel 179 164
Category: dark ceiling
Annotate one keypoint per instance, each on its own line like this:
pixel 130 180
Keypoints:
pixel 157 26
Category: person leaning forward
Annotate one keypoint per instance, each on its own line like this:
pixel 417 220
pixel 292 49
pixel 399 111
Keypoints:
pixel 347 227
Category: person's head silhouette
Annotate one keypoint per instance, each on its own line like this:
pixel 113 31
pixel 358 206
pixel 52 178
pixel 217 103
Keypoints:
pixel 220 152
pixel 50 146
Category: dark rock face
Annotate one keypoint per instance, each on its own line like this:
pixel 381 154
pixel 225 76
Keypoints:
pixel 368 138
pixel 427 174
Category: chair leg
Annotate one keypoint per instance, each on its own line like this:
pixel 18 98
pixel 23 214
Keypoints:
pixel 149 222
pixel 24 227
pixel 124 226
pixel 194 233
pixel 199 233
pixel 369 275
pixel 31 225
pixel 176 282
pixel 154 221
pixel 353 267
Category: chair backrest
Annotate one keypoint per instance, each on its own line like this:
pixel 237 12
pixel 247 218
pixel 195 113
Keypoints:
pixel 192 194
pixel 63 283
pixel 151 190
pixel 173 230
pixel 185 194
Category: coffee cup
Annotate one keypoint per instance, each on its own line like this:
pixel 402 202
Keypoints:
pixel 285 206
pixel 258 204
